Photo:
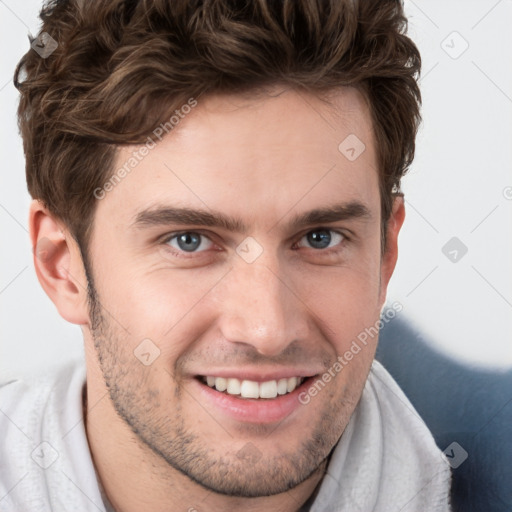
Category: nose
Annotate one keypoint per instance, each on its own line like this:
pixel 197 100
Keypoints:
pixel 261 309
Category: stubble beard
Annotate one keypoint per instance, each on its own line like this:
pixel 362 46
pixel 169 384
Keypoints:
pixel 140 404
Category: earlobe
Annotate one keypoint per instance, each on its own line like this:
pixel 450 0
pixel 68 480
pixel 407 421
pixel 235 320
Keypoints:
pixel 58 264
pixel 390 256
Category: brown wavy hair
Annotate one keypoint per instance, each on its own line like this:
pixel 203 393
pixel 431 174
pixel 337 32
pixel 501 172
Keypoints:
pixel 122 67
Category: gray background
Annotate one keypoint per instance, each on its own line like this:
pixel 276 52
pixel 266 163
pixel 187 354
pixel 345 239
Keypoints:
pixel 460 185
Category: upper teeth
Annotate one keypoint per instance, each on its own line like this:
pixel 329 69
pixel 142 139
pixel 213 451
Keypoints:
pixel 252 389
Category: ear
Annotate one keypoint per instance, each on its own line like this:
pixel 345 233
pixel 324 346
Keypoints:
pixel 58 264
pixel 390 256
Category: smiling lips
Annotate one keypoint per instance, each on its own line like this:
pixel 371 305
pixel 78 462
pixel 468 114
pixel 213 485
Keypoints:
pixel 252 389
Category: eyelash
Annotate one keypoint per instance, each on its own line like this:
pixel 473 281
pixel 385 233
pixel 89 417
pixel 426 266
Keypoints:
pixel 184 254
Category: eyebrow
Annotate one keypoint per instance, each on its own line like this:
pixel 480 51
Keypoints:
pixel 162 216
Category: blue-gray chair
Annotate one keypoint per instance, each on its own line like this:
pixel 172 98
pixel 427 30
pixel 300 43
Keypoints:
pixel 462 404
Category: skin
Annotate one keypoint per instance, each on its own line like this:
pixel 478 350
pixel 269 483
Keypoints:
pixel 156 440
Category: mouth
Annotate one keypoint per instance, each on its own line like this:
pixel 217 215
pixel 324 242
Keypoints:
pixel 263 396
pixel 253 390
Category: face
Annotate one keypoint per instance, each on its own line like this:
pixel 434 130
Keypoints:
pixel 243 251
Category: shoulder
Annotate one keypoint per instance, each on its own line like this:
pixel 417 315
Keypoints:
pixel 408 442
pixel 34 405
pixel 43 436
pixel 26 400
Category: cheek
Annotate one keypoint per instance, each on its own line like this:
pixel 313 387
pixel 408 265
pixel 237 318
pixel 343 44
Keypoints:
pixel 346 300
pixel 162 304
pixel 347 291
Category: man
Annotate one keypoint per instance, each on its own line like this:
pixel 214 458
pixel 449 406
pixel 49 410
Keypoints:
pixel 216 204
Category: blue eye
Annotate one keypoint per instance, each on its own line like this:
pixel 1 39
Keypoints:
pixel 193 242
pixel 189 241
pixel 322 238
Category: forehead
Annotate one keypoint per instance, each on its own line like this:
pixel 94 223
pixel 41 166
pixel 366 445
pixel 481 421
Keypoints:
pixel 259 158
